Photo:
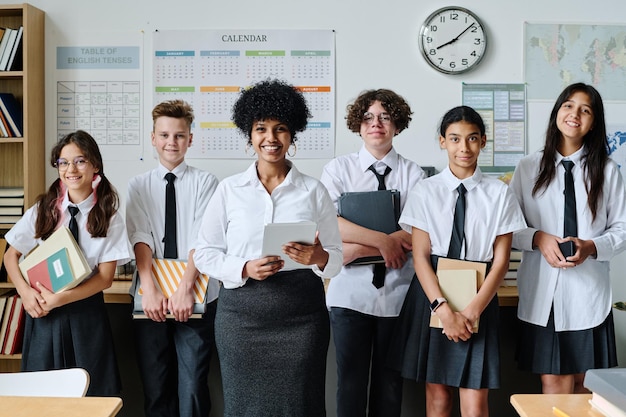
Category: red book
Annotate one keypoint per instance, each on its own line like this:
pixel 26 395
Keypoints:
pixel 15 332
pixel 40 273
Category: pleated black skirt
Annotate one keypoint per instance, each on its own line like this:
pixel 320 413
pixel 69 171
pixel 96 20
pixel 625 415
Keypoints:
pixel 74 335
pixel 272 340
pixel 424 354
pixel 543 350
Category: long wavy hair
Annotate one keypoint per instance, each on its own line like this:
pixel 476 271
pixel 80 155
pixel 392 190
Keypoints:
pixel 595 142
pixel 107 201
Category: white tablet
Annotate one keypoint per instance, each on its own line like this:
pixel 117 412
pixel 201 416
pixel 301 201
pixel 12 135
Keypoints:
pixel 277 234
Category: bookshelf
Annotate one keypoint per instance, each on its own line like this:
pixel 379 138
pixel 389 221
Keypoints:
pixel 22 160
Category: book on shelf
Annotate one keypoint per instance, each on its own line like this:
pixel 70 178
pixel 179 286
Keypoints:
pixel 608 387
pixel 48 251
pixel 8 219
pixel 17 46
pixel 11 201
pixel 6 34
pixel 11 192
pixel 6 53
pixel 459 281
pixel 15 331
pixel 5 130
pixel 167 274
pixel 3 302
pixel 3 270
pixel 12 111
pixel 6 319
pixel 375 210
pixel 11 210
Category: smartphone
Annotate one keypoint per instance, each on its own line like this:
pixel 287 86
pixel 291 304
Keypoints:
pixel 567 248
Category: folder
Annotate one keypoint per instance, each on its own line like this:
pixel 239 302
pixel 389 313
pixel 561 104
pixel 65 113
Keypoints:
pixel 275 235
pixel 375 210
pixel 167 274
pixel 459 282
pixel 48 250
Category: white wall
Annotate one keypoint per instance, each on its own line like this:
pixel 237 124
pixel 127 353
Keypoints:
pixel 376 46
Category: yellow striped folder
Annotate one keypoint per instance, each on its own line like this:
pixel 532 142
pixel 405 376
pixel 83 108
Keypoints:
pixel 167 274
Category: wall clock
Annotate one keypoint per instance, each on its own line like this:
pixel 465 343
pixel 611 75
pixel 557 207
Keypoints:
pixel 453 40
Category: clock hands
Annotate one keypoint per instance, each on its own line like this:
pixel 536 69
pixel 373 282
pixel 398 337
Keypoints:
pixel 457 38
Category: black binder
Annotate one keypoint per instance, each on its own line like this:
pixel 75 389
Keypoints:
pixel 376 210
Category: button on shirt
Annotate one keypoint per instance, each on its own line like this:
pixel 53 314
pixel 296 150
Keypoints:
pixel 491 211
pixel 145 210
pixel 353 288
pixel 97 250
pixel 581 295
pixel 232 228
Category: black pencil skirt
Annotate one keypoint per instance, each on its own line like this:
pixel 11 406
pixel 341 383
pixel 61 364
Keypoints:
pixel 272 340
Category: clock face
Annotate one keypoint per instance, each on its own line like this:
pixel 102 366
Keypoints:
pixel 453 40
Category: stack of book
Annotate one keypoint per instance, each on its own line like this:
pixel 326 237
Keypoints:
pixel 510 278
pixel 57 264
pixel 10 48
pixel 12 317
pixel 608 388
pixel 11 118
pixel 11 205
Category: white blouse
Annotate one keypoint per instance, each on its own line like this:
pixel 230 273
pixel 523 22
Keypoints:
pixel 581 296
pixel 232 227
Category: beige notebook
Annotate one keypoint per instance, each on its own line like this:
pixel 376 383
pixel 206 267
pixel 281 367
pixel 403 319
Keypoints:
pixel 459 282
pixel 61 238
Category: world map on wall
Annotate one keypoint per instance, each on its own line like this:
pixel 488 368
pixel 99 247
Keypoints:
pixel 617 147
pixel 559 55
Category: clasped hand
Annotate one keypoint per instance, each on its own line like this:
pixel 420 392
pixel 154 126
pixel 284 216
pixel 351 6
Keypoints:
pixel 549 246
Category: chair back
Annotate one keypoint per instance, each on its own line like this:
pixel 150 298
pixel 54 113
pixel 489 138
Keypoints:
pixel 72 382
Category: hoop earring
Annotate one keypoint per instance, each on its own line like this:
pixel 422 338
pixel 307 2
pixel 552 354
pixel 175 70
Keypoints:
pixel 248 146
pixel 295 150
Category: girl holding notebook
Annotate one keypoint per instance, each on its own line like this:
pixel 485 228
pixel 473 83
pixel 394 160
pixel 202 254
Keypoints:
pixel 71 328
pixel 485 214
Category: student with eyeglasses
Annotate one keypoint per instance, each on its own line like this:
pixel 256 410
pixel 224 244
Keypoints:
pixel 71 329
pixel 364 310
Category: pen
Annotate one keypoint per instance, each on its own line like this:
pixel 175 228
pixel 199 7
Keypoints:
pixel 559 413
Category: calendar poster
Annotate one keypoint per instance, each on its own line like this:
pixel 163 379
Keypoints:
pixel 99 89
pixel 503 109
pixel 209 68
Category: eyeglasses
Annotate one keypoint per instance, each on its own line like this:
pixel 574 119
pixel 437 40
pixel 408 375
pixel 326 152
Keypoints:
pixel 63 164
pixel 384 118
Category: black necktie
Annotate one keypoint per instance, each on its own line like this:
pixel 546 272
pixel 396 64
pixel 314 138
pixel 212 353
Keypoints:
pixel 380 177
pixel 171 251
pixel 570 227
pixel 458 227
pixel 73 223
pixel 379 269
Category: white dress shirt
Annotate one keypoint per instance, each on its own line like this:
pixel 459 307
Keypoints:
pixel 353 288
pixel 97 250
pixel 581 295
pixel 491 211
pixel 232 227
pixel 145 210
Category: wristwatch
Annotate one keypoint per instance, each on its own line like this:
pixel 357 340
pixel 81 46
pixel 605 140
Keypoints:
pixel 437 303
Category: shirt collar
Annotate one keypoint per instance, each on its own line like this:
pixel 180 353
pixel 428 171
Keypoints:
pixel 576 157
pixel 84 206
pixel 294 177
pixel 366 159
pixel 453 182
pixel 179 170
